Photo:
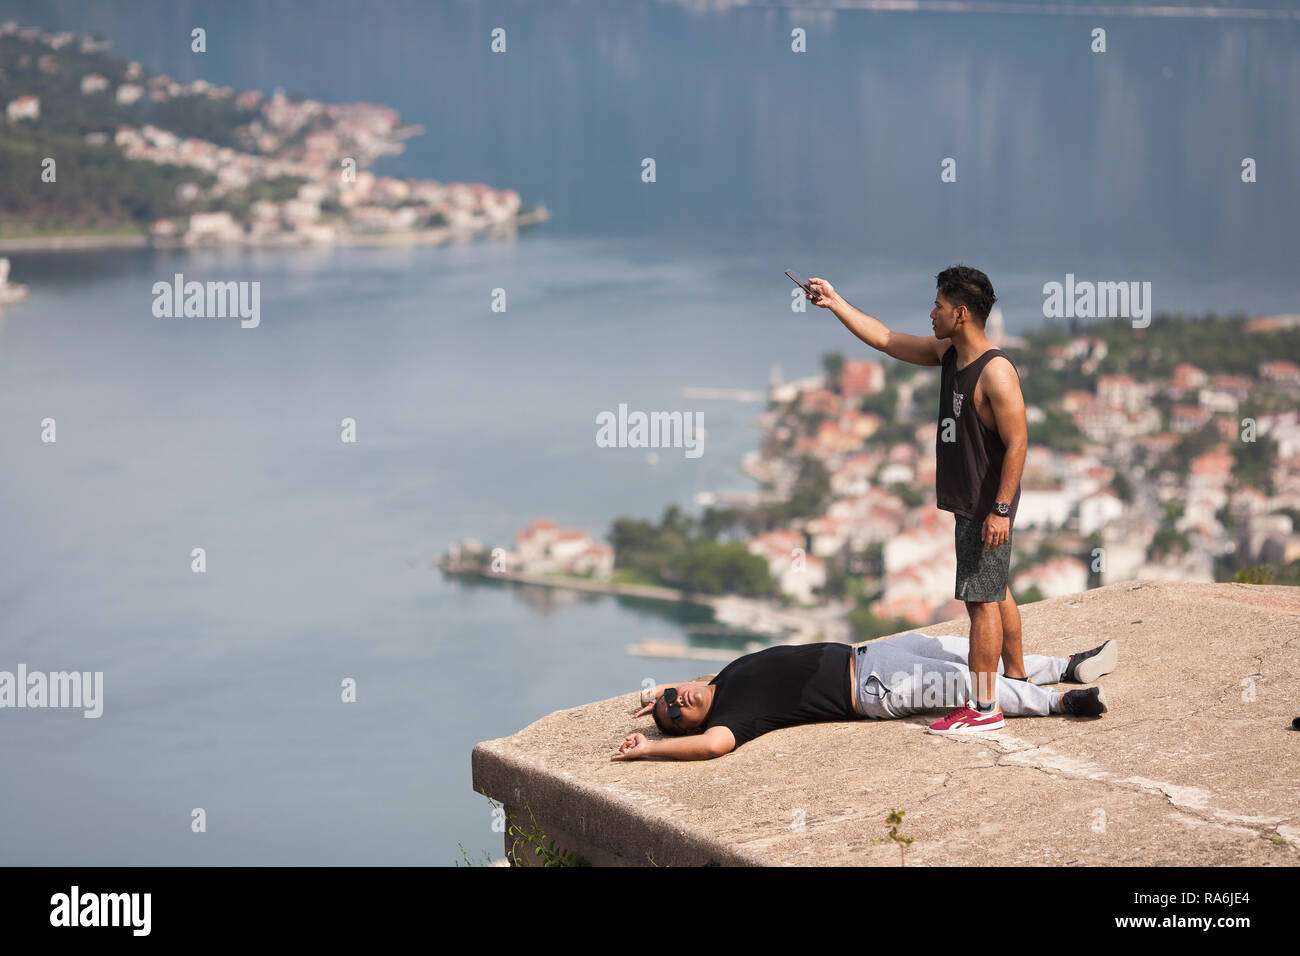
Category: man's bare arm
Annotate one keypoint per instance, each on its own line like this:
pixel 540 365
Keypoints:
pixel 915 349
pixel 714 742
pixel 1002 386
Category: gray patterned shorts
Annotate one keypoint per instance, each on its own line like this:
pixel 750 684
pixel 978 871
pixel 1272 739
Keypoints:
pixel 982 576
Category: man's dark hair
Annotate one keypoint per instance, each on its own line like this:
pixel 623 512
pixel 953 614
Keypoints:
pixel 962 285
pixel 665 726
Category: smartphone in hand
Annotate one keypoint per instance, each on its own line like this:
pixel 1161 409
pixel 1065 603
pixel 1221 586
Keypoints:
pixel 802 284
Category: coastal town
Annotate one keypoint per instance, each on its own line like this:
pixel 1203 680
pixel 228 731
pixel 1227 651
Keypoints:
pixel 1134 477
pixel 287 171
pixel 1149 474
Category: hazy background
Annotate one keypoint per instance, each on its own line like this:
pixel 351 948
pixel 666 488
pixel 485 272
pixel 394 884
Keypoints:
pixel 222 690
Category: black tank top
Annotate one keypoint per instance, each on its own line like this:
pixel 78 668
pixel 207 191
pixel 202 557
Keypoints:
pixel 968 470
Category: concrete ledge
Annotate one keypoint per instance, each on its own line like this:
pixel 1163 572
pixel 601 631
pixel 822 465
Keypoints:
pixel 1194 765
pixel 610 827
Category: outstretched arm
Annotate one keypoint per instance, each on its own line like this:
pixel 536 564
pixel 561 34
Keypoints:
pixel 714 742
pixel 915 349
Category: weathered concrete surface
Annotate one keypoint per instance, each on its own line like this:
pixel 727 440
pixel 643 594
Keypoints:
pixel 1195 764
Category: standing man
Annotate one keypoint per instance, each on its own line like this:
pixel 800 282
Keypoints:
pixel 980 454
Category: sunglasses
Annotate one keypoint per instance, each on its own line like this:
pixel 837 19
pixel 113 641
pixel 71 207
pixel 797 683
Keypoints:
pixel 674 711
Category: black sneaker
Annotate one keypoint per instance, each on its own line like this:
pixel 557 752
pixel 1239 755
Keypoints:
pixel 1086 666
pixel 1088 702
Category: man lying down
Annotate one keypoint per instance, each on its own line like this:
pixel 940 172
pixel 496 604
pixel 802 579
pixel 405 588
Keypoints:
pixel 883 679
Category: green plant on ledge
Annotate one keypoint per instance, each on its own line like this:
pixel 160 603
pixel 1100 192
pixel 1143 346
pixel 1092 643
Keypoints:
pixel 895 820
pixel 534 837
pixel 464 855
pixel 521 838
pixel 1257 574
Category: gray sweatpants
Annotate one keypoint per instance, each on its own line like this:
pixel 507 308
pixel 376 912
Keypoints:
pixel 915 672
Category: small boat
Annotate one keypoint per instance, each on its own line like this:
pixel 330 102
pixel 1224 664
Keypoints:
pixel 10 293
pixel 681 651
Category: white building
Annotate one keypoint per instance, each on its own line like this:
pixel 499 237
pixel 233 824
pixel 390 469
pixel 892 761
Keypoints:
pixel 800 580
pixel 1063 575
pixel 1123 392
pixel 1123 553
pixel 912 549
pixel 128 93
pixel 828 535
pixel 1214 400
pixel 1283 428
pixel 918 546
pixel 1096 511
pixel 853 477
pixel 927 584
pixel 25 107
pixel 219 227
pixel 300 211
pixel 896 472
pixel 546 548
pixel 795 572
pixel 1043 506
pixel 596 560
pixel 1189 567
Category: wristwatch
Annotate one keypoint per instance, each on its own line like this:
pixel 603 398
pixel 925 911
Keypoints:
pixel 1002 508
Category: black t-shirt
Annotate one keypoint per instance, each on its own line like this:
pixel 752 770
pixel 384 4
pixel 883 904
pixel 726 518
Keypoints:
pixel 782 686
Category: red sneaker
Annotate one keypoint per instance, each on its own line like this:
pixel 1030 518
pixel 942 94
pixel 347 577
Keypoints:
pixel 968 720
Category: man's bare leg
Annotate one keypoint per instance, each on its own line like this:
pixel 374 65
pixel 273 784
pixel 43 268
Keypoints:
pixel 985 649
pixel 1013 658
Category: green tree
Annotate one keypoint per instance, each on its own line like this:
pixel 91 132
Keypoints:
pixel 677 521
pixel 1256 574
pixel 1253 463
pixel 1168 541
pixel 837 580
pixel 867 626
pixel 883 403
pixel 1030 595
pixel 1047 550
pixel 909 495
pixel 1226 518
pixel 807 498
pixel 712 568
pixel 719 521
pixel 1057 430
pixel 1122 486
pixel 1192 445
pixel 640 546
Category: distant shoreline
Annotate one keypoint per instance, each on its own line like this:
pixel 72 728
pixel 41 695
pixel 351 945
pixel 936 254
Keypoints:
pixel 648 592
pixel 790 625
pixel 74 243
pixel 408 237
